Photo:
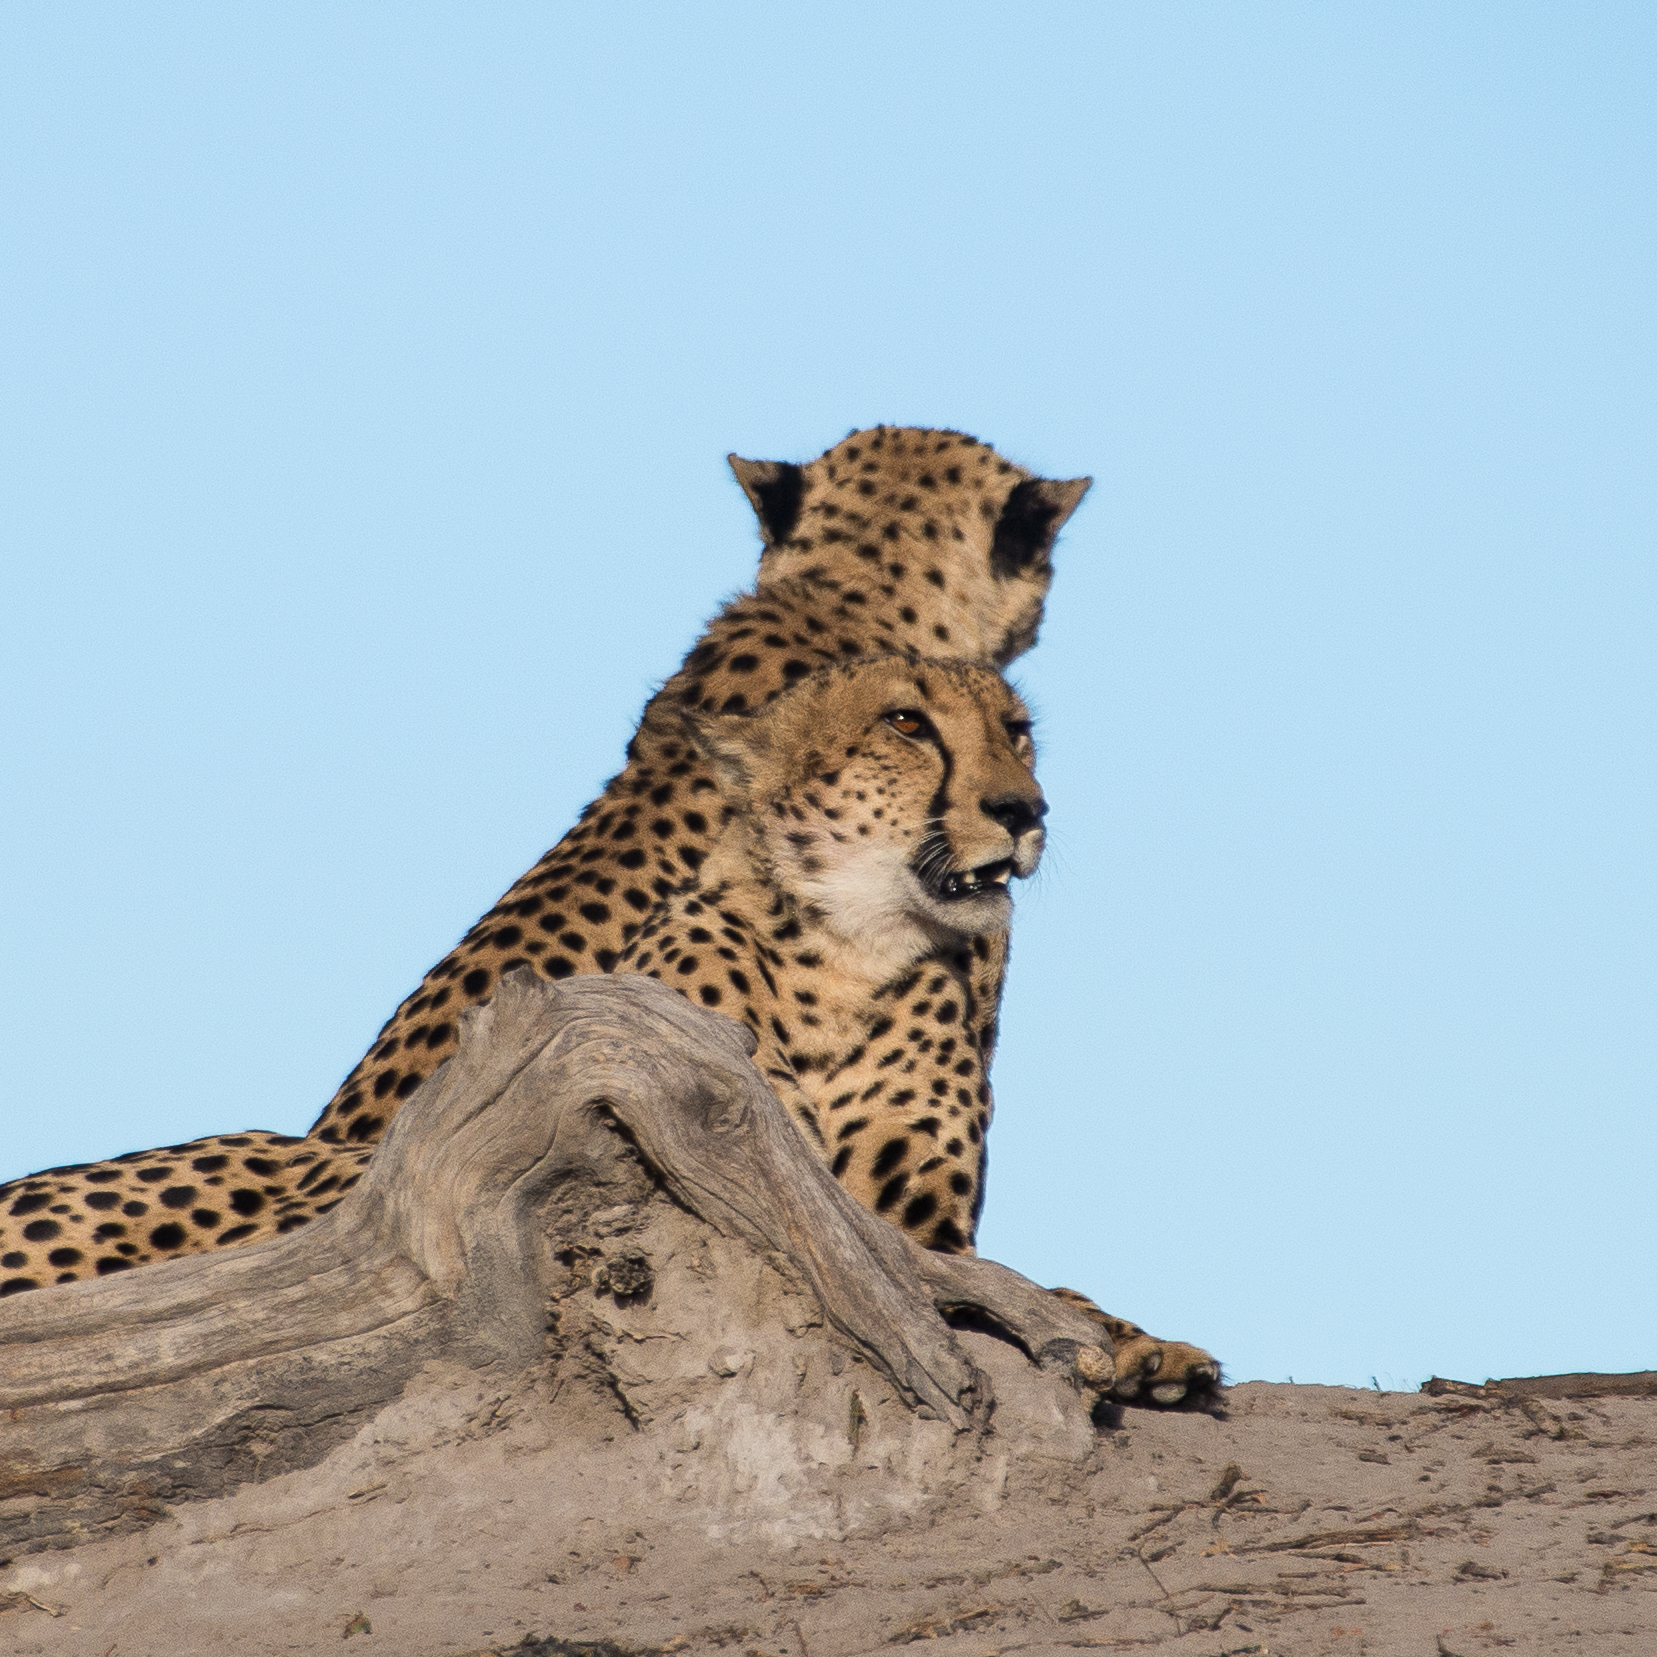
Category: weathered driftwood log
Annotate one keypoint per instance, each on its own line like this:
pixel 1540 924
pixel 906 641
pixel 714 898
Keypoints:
pixel 189 1378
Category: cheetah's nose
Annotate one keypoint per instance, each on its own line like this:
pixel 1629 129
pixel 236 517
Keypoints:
pixel 1016 813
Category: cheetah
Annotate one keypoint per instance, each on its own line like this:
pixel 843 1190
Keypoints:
pixel 882 943
pixel 878 813
pixel 896 540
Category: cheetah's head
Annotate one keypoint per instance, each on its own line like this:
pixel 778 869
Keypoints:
pixel 957 539
pixel 893 800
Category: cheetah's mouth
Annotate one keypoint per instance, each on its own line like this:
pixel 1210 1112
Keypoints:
pixel 972 883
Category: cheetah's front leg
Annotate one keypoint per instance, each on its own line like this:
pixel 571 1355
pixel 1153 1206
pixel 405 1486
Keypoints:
pixel 1150 1371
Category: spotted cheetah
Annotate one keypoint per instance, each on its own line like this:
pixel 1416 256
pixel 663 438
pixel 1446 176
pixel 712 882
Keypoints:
pixel 877 814
pixel 853 843
pixel 895 540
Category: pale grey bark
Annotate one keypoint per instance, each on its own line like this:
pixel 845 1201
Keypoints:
pixel 484 1204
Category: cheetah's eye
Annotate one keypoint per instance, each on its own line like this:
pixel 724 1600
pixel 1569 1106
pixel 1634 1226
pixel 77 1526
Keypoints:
pixel 906 722
pixel 1018 729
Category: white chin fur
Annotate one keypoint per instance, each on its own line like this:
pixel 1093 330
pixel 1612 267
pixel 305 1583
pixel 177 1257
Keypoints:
pixel 876 903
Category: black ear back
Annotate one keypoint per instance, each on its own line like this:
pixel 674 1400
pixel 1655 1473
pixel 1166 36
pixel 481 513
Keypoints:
pixel 775 488
pixel 1035 512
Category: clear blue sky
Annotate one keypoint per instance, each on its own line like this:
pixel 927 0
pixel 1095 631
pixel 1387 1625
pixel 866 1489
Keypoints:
pixel 368 373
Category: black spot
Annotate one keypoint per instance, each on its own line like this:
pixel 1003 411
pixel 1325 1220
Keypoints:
pixel 205 1218
pixel 710 995
pixel 64 1257
pixel 178 1196
pixel 440 1034
pixel 387 1080
pixel 102 1176
pixel 918 1210
pixel 366 1127
pixel 696 822
pixel 841 1158
pixel 168 1236
pixel 632 858
pixel 739 981
pixel 744 663
pixel 246 1201
pixel 474 983
pixel 102 1199
pixel 634 898
pixel 133 1209
pixel 597 913
pixel 16 1285
pixel 408 1085
pixel 260 1165
pixel 890 1192
pixel 889 1156
pixel 508 936
pixel 293 1223
pixel 605 959
pixel 110 1228
pixel 150 1176
pixel 41 1231
pixel 13 1260
pixel 28 1204
pixel 959 1183
pixel 947 1238
pixel 235 1234
pixel 558 967
pixel 209 1164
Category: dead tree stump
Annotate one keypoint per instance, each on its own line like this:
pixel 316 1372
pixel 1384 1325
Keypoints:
pixel 510 1190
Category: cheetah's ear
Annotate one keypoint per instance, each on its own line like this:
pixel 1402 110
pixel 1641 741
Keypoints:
pixel 775 489
pixel 1030 522
pixel 734 744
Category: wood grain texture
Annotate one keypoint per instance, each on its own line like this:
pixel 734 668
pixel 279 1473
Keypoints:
pixel 130 1392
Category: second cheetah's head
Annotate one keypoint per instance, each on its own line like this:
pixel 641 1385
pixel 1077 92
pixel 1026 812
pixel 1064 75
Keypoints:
pixel 934 527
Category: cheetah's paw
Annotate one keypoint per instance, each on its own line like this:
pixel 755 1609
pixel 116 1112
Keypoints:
pixel 1150 1371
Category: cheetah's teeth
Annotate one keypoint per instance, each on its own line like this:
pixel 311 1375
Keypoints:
pixel 968 883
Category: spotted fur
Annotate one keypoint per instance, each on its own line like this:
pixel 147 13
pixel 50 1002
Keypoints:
pixel 879 812
pixel 896 540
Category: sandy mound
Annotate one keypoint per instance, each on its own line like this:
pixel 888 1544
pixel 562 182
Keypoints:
pixel 617 1384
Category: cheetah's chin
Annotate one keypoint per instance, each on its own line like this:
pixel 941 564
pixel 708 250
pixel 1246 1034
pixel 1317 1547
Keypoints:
pixel 971 883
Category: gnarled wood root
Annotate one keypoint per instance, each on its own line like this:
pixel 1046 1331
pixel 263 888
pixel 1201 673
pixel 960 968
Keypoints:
pixel 188 1378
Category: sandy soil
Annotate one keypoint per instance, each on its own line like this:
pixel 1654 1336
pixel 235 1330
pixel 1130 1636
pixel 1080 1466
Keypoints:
pixel 1304 1521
